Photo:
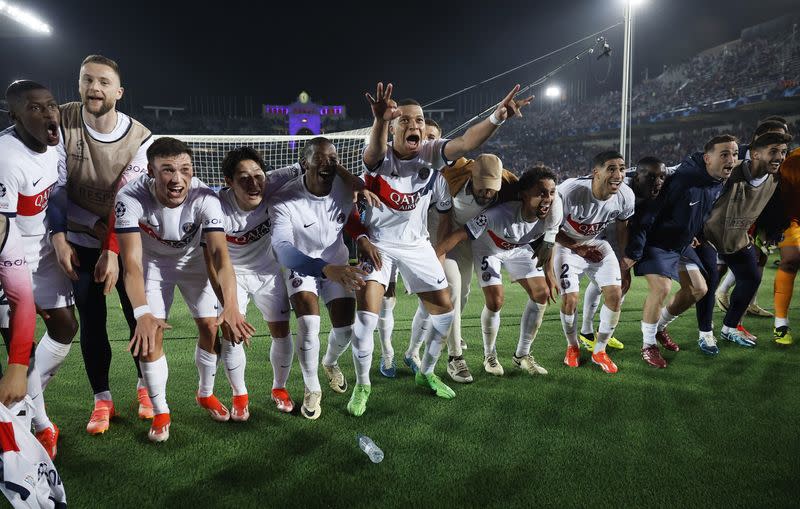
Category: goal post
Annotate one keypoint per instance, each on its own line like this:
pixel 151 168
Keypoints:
pixel 277 150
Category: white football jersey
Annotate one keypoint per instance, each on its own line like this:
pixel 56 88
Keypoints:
pixel 26 180
pixel 406 188
pixel 502 228
pixel 248 232
pixel 585 217
pixel 170 236
pixel 312 224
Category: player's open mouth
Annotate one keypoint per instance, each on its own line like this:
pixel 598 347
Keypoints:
pixel 543 209
pixel 727 170
pixel 412 141
pixel 775 165
pixel 614 184
pixel 52 133
pixel 175 191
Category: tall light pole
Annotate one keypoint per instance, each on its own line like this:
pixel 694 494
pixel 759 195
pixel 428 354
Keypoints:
pixel 626 79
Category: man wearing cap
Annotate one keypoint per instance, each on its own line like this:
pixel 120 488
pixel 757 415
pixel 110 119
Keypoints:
pixel 746 193
pixel 474 185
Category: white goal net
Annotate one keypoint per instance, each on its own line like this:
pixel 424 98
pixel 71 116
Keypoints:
pixel 277 150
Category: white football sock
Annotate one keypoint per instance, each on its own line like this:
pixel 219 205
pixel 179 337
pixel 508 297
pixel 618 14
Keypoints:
pixel 307 344
pixel 648 334
pixel 780 322
pixel 608 322
pixel 386 326
pixel 235 361
pixel 727 283
pixel 206 363
pixel 420 327
pixel 490 325
pixel 665 319
pixel 50 355
pixel 726 329
pixel 529 326
pixel 280 356
pixel 40 419
pixel 102 396
pixel 363 344
pixel 568 324
pixel 155 376
pixel 591 301
pixel 441 325
pixel 338 340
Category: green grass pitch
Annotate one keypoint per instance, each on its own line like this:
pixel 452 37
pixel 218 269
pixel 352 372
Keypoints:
pixel 705 431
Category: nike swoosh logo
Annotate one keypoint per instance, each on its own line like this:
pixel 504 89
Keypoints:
pixel 693 203
pixel 37 181
pixel 439 281
pixel 309 224
pixel 287 366
pixel 154 396
pixel 363 356
pixel 304 349
pixel 234 369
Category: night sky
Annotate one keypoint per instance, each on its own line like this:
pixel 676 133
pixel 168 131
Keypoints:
pixel 170 51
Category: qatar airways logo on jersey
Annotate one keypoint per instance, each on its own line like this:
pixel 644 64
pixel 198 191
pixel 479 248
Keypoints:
pixel 32 205
pixel 253 235
pixel 586 229
pixel 396 200
pixel 502 243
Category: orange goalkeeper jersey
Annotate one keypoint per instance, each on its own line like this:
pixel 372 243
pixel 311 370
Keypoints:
pixel 790 184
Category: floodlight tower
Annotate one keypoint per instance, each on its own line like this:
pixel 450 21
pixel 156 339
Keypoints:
pixel 627 81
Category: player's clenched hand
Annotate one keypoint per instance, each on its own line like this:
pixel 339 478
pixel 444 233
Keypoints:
pixel 591 254
pixel 14 384
pixel 66 255
pixel 107 270
pixel 240 330
pixel 383 106
pixel 347 276
pixel 542 253
pixel 368 251
pixel 510 107
pixel 144 337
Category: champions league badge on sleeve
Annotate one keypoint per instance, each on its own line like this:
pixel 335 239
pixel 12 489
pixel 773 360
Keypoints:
pixel 119 209
pixel 424 173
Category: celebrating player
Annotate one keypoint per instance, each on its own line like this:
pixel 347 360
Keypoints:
pixel 789 246
pixel 102 149
pixel 401 174
pixel 590 204
pixel 258 274
pixel 28 173
pixel 308 215
pixel 503 236
pixel 159 221
pixel 661 237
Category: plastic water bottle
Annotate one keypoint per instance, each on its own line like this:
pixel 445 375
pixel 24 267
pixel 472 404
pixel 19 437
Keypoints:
pixel 368 446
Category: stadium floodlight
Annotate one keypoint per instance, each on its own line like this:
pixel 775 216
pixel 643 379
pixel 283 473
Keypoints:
pixel 552 92
pixel 25 18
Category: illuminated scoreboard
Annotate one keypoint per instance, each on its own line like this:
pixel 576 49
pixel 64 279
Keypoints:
pixel 305 116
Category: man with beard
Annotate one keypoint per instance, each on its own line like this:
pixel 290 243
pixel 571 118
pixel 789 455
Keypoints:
pixel 747 191
pixel 661 237
pixel 102 150
pixel 590 204
pixel 308 215
pixel 645 180
pixel 504 237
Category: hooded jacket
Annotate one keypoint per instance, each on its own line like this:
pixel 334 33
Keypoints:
pixel 679 212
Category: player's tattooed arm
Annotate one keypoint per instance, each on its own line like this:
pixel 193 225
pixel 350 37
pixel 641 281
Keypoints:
pixel 347 276
pixel 590 253
pixel 213 278
pixel 368 251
